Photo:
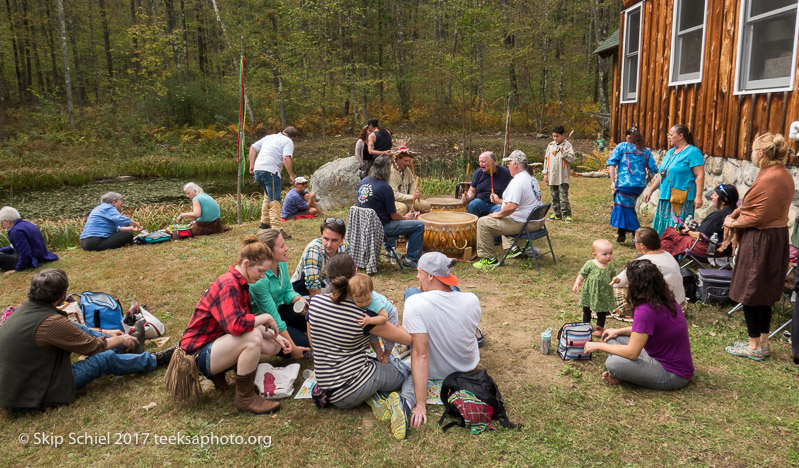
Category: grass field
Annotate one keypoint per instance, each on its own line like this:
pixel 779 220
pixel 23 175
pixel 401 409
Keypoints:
pixel 735 412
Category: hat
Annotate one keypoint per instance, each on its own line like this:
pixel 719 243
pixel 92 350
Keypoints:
pixel 300 180
pixel 438 265
pixel 516 156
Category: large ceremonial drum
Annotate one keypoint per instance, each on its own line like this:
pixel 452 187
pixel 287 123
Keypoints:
pixel 449 232
pixel 446 204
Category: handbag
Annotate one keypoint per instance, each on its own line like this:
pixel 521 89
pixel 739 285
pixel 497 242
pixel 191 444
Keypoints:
pixel 276 382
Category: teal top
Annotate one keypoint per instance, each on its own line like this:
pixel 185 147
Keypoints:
pixel 272 291
pixel 379 302
pixel 680 171
pixel 597 293
pixel 209 209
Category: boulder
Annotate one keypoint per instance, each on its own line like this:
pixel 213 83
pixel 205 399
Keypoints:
pixel 750 172
pixel 715 165
pixel 731 172
pixel 336 183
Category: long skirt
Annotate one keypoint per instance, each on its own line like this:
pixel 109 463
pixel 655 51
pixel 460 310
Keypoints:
pixel 202 228
pixel 675 243
pixel 760 267
pixel 623 215
pixel 664 216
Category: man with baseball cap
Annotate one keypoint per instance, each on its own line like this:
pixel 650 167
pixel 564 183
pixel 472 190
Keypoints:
pixel 300 202
pixel 522 196
pixel 442 323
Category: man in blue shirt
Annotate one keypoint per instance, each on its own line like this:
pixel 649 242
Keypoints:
pixel 375 193
pixel 478 196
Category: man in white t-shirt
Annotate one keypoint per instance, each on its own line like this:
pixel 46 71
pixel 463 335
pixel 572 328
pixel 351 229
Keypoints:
pixel 267 157
pixel 522 196
pixel 442 323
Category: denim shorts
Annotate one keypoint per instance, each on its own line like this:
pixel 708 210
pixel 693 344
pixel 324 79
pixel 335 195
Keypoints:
pixel 204 359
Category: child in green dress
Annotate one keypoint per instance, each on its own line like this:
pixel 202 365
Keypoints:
pixel 597 293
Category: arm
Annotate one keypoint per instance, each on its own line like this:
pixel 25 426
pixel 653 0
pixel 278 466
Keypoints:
pixel 506 210
pixel 568 153
pixel 267 321
pixel 612 174
pixel 630 351
pixel 393 333
pixel 398 217
pixel 379 319
pixel 577 283
pixel 263 302
pixel 395 180
pixel 371 146
pixel 420 373
pixel 652 187
pixel 252 157
pixel 699 173
pixel 620 281
pixel 469 195
pixel 128 341
pixel 196 211
pixel 289 163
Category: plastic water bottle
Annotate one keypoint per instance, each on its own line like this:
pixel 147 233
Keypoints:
pixel 711 246
pixel 546 339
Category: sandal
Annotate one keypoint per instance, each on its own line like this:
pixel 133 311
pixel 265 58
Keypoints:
pixel 745 351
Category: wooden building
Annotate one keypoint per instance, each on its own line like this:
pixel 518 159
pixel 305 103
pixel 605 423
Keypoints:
pixel 724 68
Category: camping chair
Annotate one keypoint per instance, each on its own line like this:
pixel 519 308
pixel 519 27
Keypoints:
pixel 690 257
pixel 460 189
pixel 538 215
pixel 367 239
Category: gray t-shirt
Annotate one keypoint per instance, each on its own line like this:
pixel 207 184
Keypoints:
pixel 450 320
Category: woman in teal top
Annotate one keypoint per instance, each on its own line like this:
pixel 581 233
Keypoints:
pixel 204 212
pixel 275 296
pixel 681 180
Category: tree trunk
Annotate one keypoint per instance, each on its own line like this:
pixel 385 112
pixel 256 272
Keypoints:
pixel 109 63
pixel 18 60
pixel 46 31
pixel 277 79
pixel 185 41
pixel 364 48
pixel 401 62
pixel 201 53
pixel 135 38
pixel 5 95
pixel 232 60
pixel 81 86
pixel 67 80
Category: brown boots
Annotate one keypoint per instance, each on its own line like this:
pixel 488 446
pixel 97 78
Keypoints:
pixel 248 400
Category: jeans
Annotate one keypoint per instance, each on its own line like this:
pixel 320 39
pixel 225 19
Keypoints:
pixel 411 228
pixel 645 371
pixel 110 362
pixel 480 208
pixel 386 378
pixel 270 183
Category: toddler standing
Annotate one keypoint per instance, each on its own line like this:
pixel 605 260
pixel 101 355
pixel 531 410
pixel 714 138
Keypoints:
pixel 597 293
pixel 362 291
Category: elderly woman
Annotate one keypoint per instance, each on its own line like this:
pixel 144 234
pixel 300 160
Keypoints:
pixel 340 351
pixel 675 242
pixel 761 230
pixel 223 332
pixel 204 212
pixel 27 249
pixel 274 295
pixel 681 180
pixel 632 161
pixel 655 352
pixel 300 202
pixel 107 228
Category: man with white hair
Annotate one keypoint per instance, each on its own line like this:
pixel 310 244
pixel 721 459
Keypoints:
pixel 27 249
pixel 522 196
pixel 487 179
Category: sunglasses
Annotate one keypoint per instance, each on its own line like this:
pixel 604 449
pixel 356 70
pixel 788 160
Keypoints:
pixel 334 220
pixel 721 187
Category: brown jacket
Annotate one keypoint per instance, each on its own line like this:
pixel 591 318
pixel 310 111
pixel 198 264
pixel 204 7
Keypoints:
pixel 767 203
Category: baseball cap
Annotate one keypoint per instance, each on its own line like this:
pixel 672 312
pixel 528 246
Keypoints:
pixel 438 265
pixel 517 156
pixel 300 180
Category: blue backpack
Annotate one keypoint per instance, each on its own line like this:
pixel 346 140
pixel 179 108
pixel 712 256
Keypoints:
pixel 100 310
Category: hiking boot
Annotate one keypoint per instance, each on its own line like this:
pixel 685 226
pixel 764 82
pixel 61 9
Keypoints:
pixel 379 404
pixel 138 333
pixel 247 400
pixel 745 351
pixel 554 217
pixel 264 226
pixel 621 237
pixel 568 219
pixel 219 380
pixel 163 357
pixel 515 251
pixel 285 234
pixel 486 263
pixel 399 415
pixel 408 263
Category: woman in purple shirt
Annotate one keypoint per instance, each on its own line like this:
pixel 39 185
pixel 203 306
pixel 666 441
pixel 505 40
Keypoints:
pixel 655 352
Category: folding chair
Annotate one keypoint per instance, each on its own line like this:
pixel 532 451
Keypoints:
pixel 706 261
pixel 367 239
pixel 539 215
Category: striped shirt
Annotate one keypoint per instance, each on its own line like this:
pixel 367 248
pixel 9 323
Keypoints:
pixel 340 346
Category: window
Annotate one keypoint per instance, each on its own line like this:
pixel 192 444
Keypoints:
pixel 766 46
pixel 631 54
pixel 688 41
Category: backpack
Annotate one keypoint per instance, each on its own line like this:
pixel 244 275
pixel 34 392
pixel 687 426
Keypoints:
pixel 152 237
pixel 572 338
pixel 100 310
pixel 474 398
pixel 179 231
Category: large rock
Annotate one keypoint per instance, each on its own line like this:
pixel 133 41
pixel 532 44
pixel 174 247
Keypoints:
pixel 750 172
pixel 731 173
pixel 336 183
pixel 715 165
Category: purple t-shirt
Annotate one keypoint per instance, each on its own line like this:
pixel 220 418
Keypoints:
pixel 668 338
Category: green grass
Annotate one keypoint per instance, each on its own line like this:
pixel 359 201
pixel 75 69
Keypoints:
pixel 735 412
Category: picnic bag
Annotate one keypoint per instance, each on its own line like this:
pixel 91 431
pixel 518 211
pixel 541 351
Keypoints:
pixel 153 328
pixel 572 338
pixel 180 231
pixel 273 382
pixel 100 310
pixel 474 398
pixel 152 237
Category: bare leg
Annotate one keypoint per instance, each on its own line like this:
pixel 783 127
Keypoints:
pixel 243 351
pixel 269 346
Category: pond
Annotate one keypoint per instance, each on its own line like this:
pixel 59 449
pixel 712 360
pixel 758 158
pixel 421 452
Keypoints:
pixel 75 201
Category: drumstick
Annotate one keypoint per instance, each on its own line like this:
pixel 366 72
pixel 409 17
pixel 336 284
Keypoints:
pixel 491 175
pixel 468 165
pixel 416 188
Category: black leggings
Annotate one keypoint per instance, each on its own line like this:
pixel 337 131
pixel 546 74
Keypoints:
pixel 600 317
pixel 758 320
pixel 8 261
pixel 114 241
pixel 295 325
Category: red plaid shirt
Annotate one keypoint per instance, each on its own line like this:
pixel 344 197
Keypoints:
pixel 223 309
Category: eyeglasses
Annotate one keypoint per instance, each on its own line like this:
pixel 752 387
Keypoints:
pixel 334 220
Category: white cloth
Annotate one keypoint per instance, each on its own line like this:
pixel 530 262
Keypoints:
pixel 271 150
pixel 523 190
pixel 450 320
pixel 671 273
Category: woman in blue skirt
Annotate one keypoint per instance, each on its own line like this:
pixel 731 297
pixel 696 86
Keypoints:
pixel 629 167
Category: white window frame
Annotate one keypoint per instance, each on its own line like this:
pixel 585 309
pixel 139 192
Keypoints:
pixel 627 13
pixel 674 32
pixel 740 69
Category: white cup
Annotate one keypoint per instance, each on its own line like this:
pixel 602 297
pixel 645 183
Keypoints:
pixel 299 307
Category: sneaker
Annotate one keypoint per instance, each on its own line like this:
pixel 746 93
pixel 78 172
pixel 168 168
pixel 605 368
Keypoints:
pixel 379 404
pixel 515 251
pixel 554 217
pixel 407 262
pixel 399 415
pixel 533 252
pixel 786 337
pixel 745 351
pixel 569 219
pixel 264 226
pixel 486 263
pixel 481 338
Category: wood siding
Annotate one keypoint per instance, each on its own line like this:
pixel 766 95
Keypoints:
pixel 722 123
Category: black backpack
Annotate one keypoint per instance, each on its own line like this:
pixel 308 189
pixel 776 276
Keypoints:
pixel 482 386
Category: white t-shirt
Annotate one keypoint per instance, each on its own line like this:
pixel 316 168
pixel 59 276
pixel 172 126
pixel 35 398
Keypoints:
pixel 450 320
pixel 523 190
pixel 670 269
pixel 271 150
